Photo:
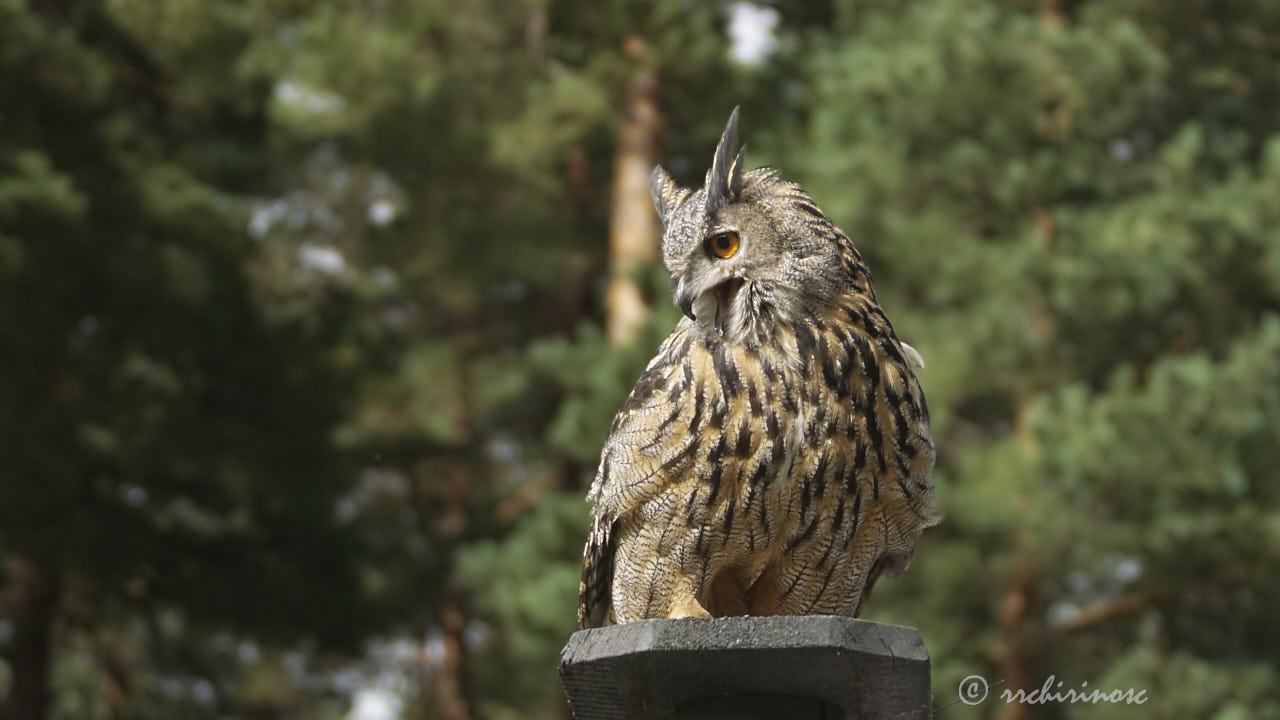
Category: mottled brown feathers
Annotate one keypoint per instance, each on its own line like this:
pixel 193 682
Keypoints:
pixel 775 455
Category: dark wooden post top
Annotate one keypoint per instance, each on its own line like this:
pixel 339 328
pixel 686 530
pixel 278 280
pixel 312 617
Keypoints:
pixel 747 667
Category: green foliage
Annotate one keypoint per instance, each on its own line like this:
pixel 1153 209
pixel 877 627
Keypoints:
pixel 522 584
pixel 595 379
pixel 1081 247
pixel 1181 685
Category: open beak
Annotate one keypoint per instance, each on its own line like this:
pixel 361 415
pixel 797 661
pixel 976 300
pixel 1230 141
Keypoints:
pixel 725 293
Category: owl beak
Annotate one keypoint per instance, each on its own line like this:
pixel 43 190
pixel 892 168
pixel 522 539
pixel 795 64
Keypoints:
pixel 684 299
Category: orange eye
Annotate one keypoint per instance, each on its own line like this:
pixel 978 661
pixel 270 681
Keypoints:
pixel 723 245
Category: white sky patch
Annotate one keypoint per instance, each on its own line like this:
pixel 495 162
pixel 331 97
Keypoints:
pixel 434 649
pixel 1062 613
pixel 1127 570
pixel 321 258
pixel 381 212
pixel 315 101
pixel 751 32
pixel 375 704
pixel 203 692
pixel 247 652
pixel 266 215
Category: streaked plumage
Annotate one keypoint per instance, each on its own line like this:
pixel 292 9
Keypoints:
pixel 775 456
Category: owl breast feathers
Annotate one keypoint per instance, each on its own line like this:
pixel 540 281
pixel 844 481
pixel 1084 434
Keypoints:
pixel 775 456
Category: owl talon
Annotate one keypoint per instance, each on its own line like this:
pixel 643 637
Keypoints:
pixel 689 608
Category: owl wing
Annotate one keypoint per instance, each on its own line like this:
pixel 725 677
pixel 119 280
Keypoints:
pixel 597 575
pixel 635 464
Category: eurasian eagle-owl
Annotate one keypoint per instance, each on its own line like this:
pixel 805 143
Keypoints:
pixel 775 456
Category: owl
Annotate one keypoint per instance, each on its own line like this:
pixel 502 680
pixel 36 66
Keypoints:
pixel 774 458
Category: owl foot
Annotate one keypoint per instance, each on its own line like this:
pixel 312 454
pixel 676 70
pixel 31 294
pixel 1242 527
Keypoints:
pixel 686 608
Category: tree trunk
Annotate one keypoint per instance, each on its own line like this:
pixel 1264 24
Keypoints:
pixel 30 597
pixel 1050 12
pixel 633 226
pixel 1017 657
pixel 451 683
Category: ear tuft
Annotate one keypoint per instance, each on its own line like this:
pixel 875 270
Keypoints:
pixel 724 179
pixel 666 194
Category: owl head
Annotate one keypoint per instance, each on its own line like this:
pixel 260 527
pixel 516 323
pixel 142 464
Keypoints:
pixel 748 250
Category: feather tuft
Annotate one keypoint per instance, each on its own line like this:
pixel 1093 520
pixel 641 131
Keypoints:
pixel 724 179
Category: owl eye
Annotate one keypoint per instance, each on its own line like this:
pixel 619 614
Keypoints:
pixel 723 245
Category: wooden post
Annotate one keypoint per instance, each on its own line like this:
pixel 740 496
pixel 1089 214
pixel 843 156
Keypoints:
pixel 805 667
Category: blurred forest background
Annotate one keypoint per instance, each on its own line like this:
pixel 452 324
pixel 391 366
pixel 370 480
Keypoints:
pixel 314 316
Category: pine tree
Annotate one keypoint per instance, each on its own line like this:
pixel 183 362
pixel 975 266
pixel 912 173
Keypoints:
pixel 168 467
pixel 1072 209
